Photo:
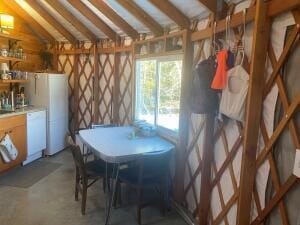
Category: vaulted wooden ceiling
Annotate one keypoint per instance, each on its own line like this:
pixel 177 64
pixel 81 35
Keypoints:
pixel 81 20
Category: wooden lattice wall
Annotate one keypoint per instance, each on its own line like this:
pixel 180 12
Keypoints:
pixel 228 149
pixel 97 87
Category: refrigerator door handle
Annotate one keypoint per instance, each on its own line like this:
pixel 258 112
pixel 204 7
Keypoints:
pixel 35 86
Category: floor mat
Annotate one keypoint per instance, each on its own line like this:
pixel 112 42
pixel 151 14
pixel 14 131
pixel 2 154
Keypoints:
pixel 26 176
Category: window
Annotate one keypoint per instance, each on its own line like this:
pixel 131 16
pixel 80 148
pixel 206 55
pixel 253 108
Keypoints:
pixel 158 85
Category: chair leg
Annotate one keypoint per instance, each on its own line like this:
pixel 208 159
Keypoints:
pixel 118 195
pixel 164 194
pixel 84 195
pixel 139 205
pixel 163 202
pixel 104 184
pixel 77 180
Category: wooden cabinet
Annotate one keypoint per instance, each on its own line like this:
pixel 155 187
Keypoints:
pixel 15 126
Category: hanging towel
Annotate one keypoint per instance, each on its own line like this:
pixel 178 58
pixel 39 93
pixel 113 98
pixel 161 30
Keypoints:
pixel 234 94
pixel 4 154
pixel 220 79
pixel 7 149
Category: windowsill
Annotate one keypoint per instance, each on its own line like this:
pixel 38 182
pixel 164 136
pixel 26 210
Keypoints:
pixel 167 134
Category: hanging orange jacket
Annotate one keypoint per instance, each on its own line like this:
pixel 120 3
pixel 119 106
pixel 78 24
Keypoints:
pixel 220 79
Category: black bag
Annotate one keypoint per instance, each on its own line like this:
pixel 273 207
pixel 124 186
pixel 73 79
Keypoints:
pixel 203 98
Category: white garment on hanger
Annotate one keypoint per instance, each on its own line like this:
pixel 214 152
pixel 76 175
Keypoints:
pixel 234 94
pixel 7 149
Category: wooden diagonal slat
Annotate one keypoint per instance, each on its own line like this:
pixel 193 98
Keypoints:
pixel 282 57
pixel 274 176
pixel 284 99
pixel 292 180
pixel 115 18
pixel 142 16
pixel 97 21
pixel 172 12
pixel 226 208
pixel 57 6
pixel 29 20
pixel 211 5
pixel 282 124
pixel 51 20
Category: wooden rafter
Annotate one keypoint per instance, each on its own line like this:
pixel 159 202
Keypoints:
pixel 142 16
pixel 172 12
pixel 88 13
pixel 115 18
pixel 211 5
pixel 29 20
pixel 254 111
pixel 71 19
pixel 51 20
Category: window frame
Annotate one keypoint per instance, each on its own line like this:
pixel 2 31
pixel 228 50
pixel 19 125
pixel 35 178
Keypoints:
pixel 164 131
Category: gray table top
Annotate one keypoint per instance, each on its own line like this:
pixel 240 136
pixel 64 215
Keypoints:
pixel 113 145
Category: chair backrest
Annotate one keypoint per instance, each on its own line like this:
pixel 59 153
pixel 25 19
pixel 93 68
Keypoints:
pixel 78 160
pixel 154 164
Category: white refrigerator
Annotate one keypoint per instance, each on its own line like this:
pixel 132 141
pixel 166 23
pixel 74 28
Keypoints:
pixel 51 92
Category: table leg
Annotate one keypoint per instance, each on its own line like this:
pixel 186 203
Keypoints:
pixel 115 175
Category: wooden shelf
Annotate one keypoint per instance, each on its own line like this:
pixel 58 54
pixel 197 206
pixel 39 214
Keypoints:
pixel 13 81
pixel 12 59
pixel 10 37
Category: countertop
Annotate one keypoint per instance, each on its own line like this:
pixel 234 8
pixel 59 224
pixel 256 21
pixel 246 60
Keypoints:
pixel 24 110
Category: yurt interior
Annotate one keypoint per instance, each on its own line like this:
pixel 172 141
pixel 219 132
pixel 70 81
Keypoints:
pixel 149 112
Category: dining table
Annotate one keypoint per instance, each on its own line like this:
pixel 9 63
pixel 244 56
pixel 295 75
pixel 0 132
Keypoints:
pixel 118 146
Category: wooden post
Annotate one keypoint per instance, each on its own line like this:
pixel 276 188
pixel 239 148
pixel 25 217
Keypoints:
pixel 184 116
pixel 96 84
pixel 254 111
pixel 207 159
pixel 116 93
pixel 55 56
pixel 76 91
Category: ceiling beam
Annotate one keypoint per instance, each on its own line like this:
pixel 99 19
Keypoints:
pixel 142 16
pixel 88 13
pixel 72 19
pixel 51 20
pixel 115 18
pixel 211 5
pixel 29 20
pixel 172 12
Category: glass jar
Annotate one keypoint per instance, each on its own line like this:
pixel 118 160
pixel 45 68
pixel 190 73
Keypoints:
pixel 4 52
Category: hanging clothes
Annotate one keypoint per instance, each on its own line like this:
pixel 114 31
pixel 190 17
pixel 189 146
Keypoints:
pixel 220 79
pixel 203 99
pixel 230 60
pixel 234 94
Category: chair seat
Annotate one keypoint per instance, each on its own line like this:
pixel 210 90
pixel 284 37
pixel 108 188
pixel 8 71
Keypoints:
pixel 95 168
pixel 131 175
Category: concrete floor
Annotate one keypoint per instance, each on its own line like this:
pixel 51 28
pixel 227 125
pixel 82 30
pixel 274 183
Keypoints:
pixel 51 202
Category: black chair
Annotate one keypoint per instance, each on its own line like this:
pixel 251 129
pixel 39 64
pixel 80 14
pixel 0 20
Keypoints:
pixel 87 174
pixel 150 171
